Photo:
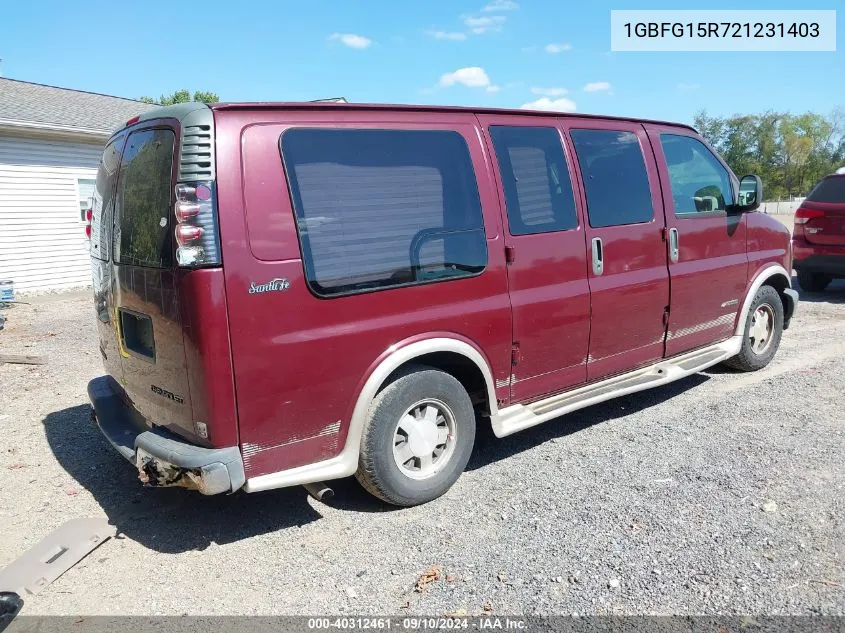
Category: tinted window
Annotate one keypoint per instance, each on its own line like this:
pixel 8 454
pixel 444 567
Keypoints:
pixel 381 208
pixel 143 209
pixel 102 206
pixel 699 182
pixel 538 191
pixel 615 178
pixel 831 189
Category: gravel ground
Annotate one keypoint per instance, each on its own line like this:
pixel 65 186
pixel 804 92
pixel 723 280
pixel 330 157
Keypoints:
pixel 722 493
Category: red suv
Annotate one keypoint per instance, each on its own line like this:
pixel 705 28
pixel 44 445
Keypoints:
pixel 818 240
pixel 288 294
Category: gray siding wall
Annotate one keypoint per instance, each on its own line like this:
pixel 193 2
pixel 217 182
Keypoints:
pixel 42 239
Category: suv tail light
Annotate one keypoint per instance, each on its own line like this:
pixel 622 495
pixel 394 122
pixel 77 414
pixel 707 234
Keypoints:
pixel 804 215
pixel 89 214
pixel 197 240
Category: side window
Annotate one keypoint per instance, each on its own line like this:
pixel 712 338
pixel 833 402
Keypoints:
pixel 615 177
pixel 103 199
pixel 383 208
pixel 699 182
pixel 535 178
pixel 143 202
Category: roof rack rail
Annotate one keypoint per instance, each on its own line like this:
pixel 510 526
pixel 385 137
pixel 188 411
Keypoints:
pixel 330 100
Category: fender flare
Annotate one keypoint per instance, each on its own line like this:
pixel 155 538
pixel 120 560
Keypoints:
pixel 345 463
pixel 400 354
pixel 760 278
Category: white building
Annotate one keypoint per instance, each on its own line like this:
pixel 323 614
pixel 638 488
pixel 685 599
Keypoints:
pixel 50 145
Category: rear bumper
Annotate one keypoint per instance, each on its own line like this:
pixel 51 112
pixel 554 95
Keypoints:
pixel 829 264
pixel 818 258
pixel 162 459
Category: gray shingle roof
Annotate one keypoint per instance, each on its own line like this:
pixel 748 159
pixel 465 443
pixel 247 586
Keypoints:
pixel 25 102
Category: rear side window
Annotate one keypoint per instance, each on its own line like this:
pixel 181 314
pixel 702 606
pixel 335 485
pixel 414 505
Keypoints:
pixel 615 177
pixel 831 189
pixel 535 178
pixel 383 208
pixel 143 202
pixel 103 199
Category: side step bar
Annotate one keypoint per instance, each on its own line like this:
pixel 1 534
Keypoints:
pixel 518 417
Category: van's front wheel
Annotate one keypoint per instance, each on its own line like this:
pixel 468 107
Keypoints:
pixel 418 437
pixel 763 329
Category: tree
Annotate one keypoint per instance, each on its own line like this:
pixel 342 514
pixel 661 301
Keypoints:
pixel 791 153
pixel 183 96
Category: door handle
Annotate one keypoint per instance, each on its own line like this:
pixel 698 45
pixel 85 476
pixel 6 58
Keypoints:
pixel 674 247
pixel 598 256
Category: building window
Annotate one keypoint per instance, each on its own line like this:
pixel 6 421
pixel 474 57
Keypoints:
pixel 85 186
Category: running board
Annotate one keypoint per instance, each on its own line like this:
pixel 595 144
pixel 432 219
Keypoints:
pixel 518 417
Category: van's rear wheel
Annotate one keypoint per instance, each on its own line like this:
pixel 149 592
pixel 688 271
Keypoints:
pixel 813 282
pixel 418 437
pixel 763 330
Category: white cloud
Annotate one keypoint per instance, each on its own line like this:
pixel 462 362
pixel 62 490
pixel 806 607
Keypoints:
pixel 500 5
pixel 553 49
pixel 351 40
pixel 549 92
pixel 471 77
pixel 597 86
pixel 485 23
pixel 455 36
pixel 550 105
pixel 493 88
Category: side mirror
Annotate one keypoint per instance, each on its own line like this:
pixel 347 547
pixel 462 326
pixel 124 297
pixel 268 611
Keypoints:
pixel 750 194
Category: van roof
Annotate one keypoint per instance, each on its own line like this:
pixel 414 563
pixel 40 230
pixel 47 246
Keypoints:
pixel 179 110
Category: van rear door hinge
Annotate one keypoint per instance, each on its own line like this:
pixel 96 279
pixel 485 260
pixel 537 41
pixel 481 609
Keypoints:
pixel 666 316
pixel 509 254
pixel 515 357
pixel 664 234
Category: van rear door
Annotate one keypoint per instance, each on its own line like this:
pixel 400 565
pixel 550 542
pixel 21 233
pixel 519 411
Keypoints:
pixel 147 322
pixel 102 218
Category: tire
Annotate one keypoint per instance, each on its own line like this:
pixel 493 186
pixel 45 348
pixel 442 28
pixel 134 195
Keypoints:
pixel 813 282
pixel 399 426
pixel 757 351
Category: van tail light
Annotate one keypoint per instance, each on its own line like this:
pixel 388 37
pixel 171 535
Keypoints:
pixel 197 238
pixel 187 234
pixel 804 215
pixel 89 214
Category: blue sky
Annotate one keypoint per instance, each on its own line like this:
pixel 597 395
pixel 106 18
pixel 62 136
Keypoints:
pixel 406 51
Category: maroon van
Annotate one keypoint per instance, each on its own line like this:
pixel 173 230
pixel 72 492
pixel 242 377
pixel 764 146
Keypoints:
pixel 288 294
